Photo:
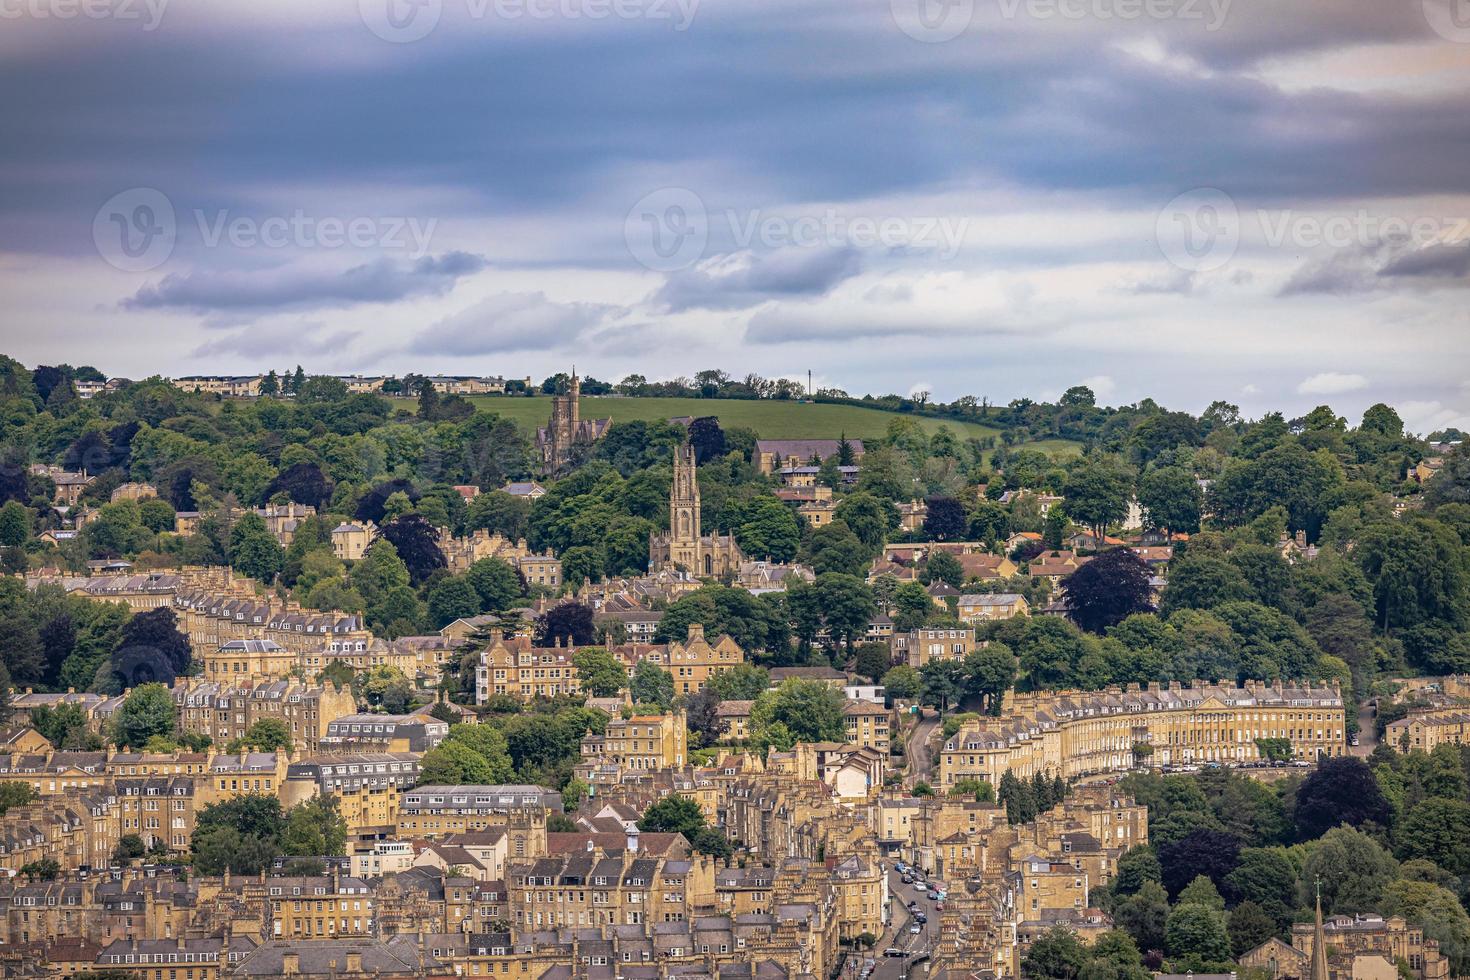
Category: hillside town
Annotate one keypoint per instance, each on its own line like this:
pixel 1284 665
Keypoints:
pixel 324 676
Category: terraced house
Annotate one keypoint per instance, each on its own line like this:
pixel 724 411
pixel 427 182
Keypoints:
pixel 1074 734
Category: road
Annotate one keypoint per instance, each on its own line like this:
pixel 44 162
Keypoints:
pixel 918 751
pixel 893 967
pixel 1367 731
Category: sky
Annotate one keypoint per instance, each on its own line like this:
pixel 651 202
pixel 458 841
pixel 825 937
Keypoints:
pixel 1184 200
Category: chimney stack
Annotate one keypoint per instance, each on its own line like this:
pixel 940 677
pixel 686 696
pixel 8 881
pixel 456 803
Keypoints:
pixel 290 964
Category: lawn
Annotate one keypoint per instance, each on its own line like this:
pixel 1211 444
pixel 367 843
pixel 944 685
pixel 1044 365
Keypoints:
pixel 769 419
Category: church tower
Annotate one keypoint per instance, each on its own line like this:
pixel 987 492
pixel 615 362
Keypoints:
pixel 685 546
pixel 684 509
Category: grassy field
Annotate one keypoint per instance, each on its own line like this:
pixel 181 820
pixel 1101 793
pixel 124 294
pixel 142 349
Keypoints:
pixel 769 419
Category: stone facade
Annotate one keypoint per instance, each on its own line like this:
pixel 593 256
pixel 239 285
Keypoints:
pixel 684 546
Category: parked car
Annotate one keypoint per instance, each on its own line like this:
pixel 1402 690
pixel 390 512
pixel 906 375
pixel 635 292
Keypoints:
pixel 916 929
pixel 933 896
pixel 893 951
pixel 939 906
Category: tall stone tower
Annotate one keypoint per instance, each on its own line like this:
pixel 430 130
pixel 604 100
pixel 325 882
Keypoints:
pixel 684 510
pixel 564 427
pixel 684 546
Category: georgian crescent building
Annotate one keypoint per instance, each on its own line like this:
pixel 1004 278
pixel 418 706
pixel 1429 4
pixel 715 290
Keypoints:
pixel 1072 734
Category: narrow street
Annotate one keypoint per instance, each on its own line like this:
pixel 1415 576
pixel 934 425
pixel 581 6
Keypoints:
pixel 899 936
pixel 917 749
pixel 1367 731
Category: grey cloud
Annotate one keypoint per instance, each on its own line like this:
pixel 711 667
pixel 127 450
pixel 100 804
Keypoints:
pixel 1383 266
pixel 295 287
pixel 747 279
pixel 512 322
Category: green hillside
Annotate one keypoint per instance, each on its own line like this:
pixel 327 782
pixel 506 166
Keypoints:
pixel 769 419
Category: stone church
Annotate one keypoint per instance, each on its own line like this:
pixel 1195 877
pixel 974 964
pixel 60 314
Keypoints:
pixel 682 546
pixel 567 428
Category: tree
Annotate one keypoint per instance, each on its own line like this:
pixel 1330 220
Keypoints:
pixel 569 622
pixel 700 714
pixel 150 648
pixel 902 682
pixel 254 550
pixel 911 606
pixel 942 683
pixel 707 438
pixel 847 604
pixel 870 518
pixel 989 673
pixel 1249 926
pixel 809 711
pixel 944 567
pixel 1266 878
pixel 451 598
pixel 1171 500
pixel 945 519
pixel 1137 865
pixel 265 735
pixel 315 829
pixel 146 712
pixel 156 515
pixel 872 660
pixel 766 528
pixel 1203 851
pixel 835 548
pixel 1353 869
pixel 1108 589
pixel 417 544
pixel 1341 790
pixel 651 684
pixel 1096 495
pixel 601 674
pixel 673 815
pixel 743 682
pixel 453 763
pixel 1435 910
pixel 1436 829
pixel 496 582
pixel 16 794
pixel 1057 954
pixel 46 869
pixel 1198 931
pixel 303 483
pixel 15 524
pixel 1144 915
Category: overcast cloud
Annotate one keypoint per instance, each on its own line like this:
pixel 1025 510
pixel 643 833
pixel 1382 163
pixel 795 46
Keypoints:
pixel 757 186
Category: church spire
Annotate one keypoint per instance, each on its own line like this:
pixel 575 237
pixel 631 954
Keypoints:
pixel 1319 942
